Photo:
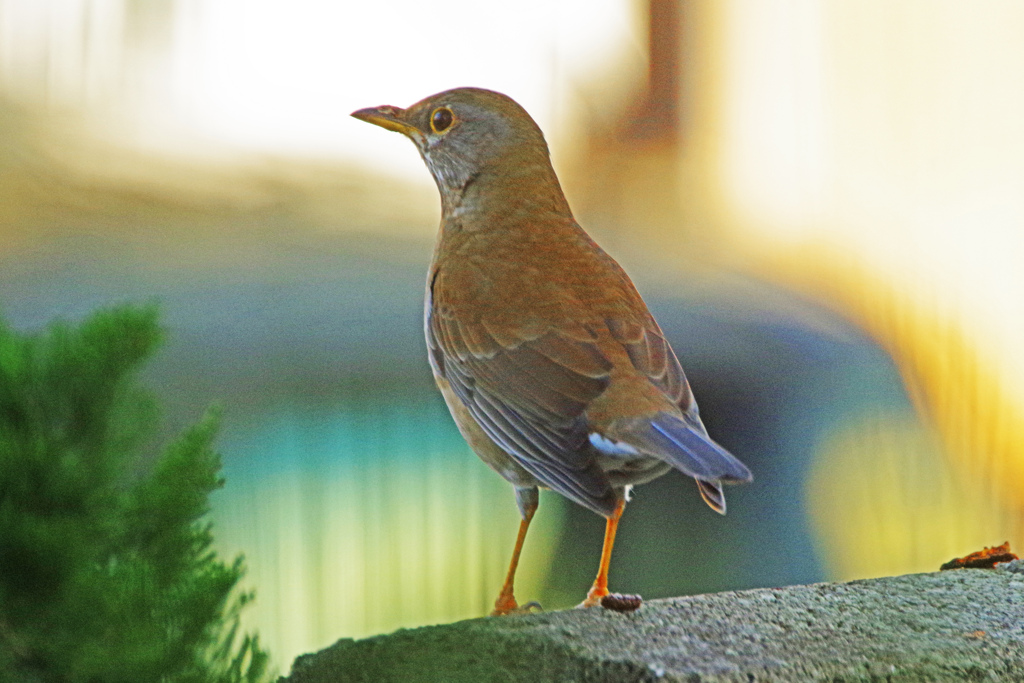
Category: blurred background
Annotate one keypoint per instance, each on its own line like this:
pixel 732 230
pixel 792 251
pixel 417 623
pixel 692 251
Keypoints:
pixel 823 204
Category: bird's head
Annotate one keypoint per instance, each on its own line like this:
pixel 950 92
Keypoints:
pixel 468 133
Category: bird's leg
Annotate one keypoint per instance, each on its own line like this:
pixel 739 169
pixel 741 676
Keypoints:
pixel 600 587
pixel 506 602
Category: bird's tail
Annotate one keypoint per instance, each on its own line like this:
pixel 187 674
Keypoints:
pixel 689 449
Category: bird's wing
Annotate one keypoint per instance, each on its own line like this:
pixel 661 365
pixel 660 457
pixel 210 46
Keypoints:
pixel 682 440
pixel 529 393
pixel 653 357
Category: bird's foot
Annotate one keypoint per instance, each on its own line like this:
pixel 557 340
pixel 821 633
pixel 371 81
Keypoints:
pixel 594 597
pixel 506 605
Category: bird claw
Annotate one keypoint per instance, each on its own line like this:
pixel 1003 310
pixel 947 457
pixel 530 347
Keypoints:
pixel 515 610
pixel 594 597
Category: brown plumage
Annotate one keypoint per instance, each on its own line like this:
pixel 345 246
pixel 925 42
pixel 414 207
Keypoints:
pixel 554 370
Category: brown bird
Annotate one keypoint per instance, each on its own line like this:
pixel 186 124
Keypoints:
pixel 551 365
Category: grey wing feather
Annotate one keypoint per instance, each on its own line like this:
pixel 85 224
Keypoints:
pixel 530 400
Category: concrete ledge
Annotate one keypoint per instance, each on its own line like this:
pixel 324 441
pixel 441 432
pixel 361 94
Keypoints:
pixel 965 624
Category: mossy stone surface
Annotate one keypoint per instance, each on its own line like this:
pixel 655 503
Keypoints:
pixel 956 625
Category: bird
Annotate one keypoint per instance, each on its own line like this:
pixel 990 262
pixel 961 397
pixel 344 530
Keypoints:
pixel 553 368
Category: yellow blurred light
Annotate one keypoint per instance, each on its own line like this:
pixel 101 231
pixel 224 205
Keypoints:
pixel 884 501
pixel 872 154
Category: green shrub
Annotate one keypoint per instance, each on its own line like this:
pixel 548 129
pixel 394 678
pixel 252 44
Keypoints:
pixel 106 567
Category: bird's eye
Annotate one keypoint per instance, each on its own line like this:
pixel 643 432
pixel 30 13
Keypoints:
pixel 441 119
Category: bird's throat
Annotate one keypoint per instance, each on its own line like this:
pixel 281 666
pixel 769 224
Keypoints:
pixel 489 201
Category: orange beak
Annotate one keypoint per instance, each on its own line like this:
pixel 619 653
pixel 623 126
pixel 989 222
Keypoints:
pixel 387 117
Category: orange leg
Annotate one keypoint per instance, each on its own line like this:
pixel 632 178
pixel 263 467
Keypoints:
pixel 506 602
pixel 600 587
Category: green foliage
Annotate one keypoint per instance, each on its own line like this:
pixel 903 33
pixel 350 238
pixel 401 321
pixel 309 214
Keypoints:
pixel 107 571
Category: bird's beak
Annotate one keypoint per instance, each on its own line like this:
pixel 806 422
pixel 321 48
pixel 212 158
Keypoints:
pixel 386 117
